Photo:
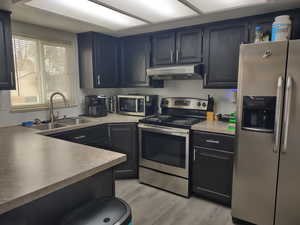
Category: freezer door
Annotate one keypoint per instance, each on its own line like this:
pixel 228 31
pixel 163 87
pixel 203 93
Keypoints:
pixel 288 197
pixel 261 73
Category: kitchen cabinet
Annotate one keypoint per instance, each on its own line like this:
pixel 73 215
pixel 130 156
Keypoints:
pixel 123 139
pixel 119 137
pixel 189 46
pixel 98 60
pixel 221 47
pixel 213 166
pixel 266 21
pixel 182 47
pixel 135 59
pixel 163 48
pixel 7 75
pixel 95 136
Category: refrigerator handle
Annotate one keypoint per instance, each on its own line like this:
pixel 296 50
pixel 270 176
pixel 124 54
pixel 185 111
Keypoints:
pixel 278 114
pixel 289 90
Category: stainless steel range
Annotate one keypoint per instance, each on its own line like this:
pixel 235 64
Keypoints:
pixel 165 143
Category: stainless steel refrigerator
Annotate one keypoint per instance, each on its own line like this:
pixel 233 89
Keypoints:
pixel 266 187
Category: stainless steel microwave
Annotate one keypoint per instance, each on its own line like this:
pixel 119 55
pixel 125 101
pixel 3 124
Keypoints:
pixel 137 105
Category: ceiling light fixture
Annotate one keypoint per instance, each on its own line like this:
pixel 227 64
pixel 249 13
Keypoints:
pixel 154 11
pixel 209 6
pixel 89 12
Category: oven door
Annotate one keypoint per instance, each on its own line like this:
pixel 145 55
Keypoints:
pixel 164 149
pixel 131 105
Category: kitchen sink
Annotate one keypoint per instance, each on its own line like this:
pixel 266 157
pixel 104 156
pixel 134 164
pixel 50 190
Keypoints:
pixel 72 121
pixel 48 126
pixel 61 123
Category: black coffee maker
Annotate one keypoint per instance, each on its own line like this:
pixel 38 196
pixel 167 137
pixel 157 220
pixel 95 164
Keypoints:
pixel 95 106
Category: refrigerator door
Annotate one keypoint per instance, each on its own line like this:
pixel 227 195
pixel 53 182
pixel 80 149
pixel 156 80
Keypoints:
pixel 261 75
pixel 288 197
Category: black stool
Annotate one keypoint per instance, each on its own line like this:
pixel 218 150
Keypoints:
pixel 105 211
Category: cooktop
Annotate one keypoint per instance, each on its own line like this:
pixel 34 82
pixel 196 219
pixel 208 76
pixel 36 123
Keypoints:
pixel 172 121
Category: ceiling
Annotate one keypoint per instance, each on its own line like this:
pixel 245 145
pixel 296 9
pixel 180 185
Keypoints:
pixel 126 17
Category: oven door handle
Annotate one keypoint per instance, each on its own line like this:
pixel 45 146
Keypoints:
pixel 165 131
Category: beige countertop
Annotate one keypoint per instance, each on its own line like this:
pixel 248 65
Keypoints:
pixel 213 126
pixel 33 165
pixel 93 121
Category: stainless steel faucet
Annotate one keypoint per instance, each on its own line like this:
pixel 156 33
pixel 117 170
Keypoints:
pixel 52 116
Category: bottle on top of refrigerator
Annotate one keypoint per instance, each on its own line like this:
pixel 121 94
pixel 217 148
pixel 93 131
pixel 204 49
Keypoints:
pixel 281 28
pixel 258 34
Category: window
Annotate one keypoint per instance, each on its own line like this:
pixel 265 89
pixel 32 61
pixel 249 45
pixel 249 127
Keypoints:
pixel 41 68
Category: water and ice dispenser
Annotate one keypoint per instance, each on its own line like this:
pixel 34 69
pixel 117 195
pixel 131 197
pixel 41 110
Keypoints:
pixel 259 113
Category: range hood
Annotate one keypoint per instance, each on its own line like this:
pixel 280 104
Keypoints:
pixel 176 72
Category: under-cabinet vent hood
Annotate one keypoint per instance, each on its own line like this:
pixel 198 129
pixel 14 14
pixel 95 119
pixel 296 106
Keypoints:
pixel 176 72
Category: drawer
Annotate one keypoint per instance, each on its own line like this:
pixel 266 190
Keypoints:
pixel 214 141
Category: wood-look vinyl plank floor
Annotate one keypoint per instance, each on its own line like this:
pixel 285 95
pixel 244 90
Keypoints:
pixel 151 206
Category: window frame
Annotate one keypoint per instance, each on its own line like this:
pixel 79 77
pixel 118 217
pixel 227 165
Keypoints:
pixel 73 84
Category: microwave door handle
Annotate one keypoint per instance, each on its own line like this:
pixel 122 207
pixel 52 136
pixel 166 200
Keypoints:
pixel 288 100
pixel 278 114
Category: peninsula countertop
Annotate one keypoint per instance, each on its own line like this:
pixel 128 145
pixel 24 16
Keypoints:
pixel 33 165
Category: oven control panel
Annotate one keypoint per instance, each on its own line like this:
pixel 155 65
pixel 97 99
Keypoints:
pixel 185 103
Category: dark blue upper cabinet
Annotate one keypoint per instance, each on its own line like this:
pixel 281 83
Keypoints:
pixel 182 47
pixel 163 48
pixel 98 60
pixel 7 76
pixel 189 46
pixel 135 59
pixel 221 47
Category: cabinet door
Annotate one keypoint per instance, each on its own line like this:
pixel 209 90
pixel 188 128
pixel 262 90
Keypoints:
pixel 212 174
pixel 163 49
pixel 123 139
pixel 7 77
pixel 221 49
pixel 189 46
pixel 135 57
pixel 105 61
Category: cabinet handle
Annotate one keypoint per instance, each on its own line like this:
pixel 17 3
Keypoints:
pixel 98 79
pixel 177 55
pixel 109 133
pixel 171 56
pixel 12 78
pixel 214 156
pixel 80 137
pixel 109 136
pixel 194 154
pixel 212 141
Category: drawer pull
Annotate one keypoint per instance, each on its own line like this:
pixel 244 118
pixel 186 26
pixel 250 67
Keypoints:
pixel 214 156
pixel 213 141
pixel 80 137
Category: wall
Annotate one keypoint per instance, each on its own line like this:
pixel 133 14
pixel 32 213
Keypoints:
pixel 7 117
pixel 180 88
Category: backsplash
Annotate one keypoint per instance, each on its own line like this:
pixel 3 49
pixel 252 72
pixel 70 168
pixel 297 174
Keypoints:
pixel 224 98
